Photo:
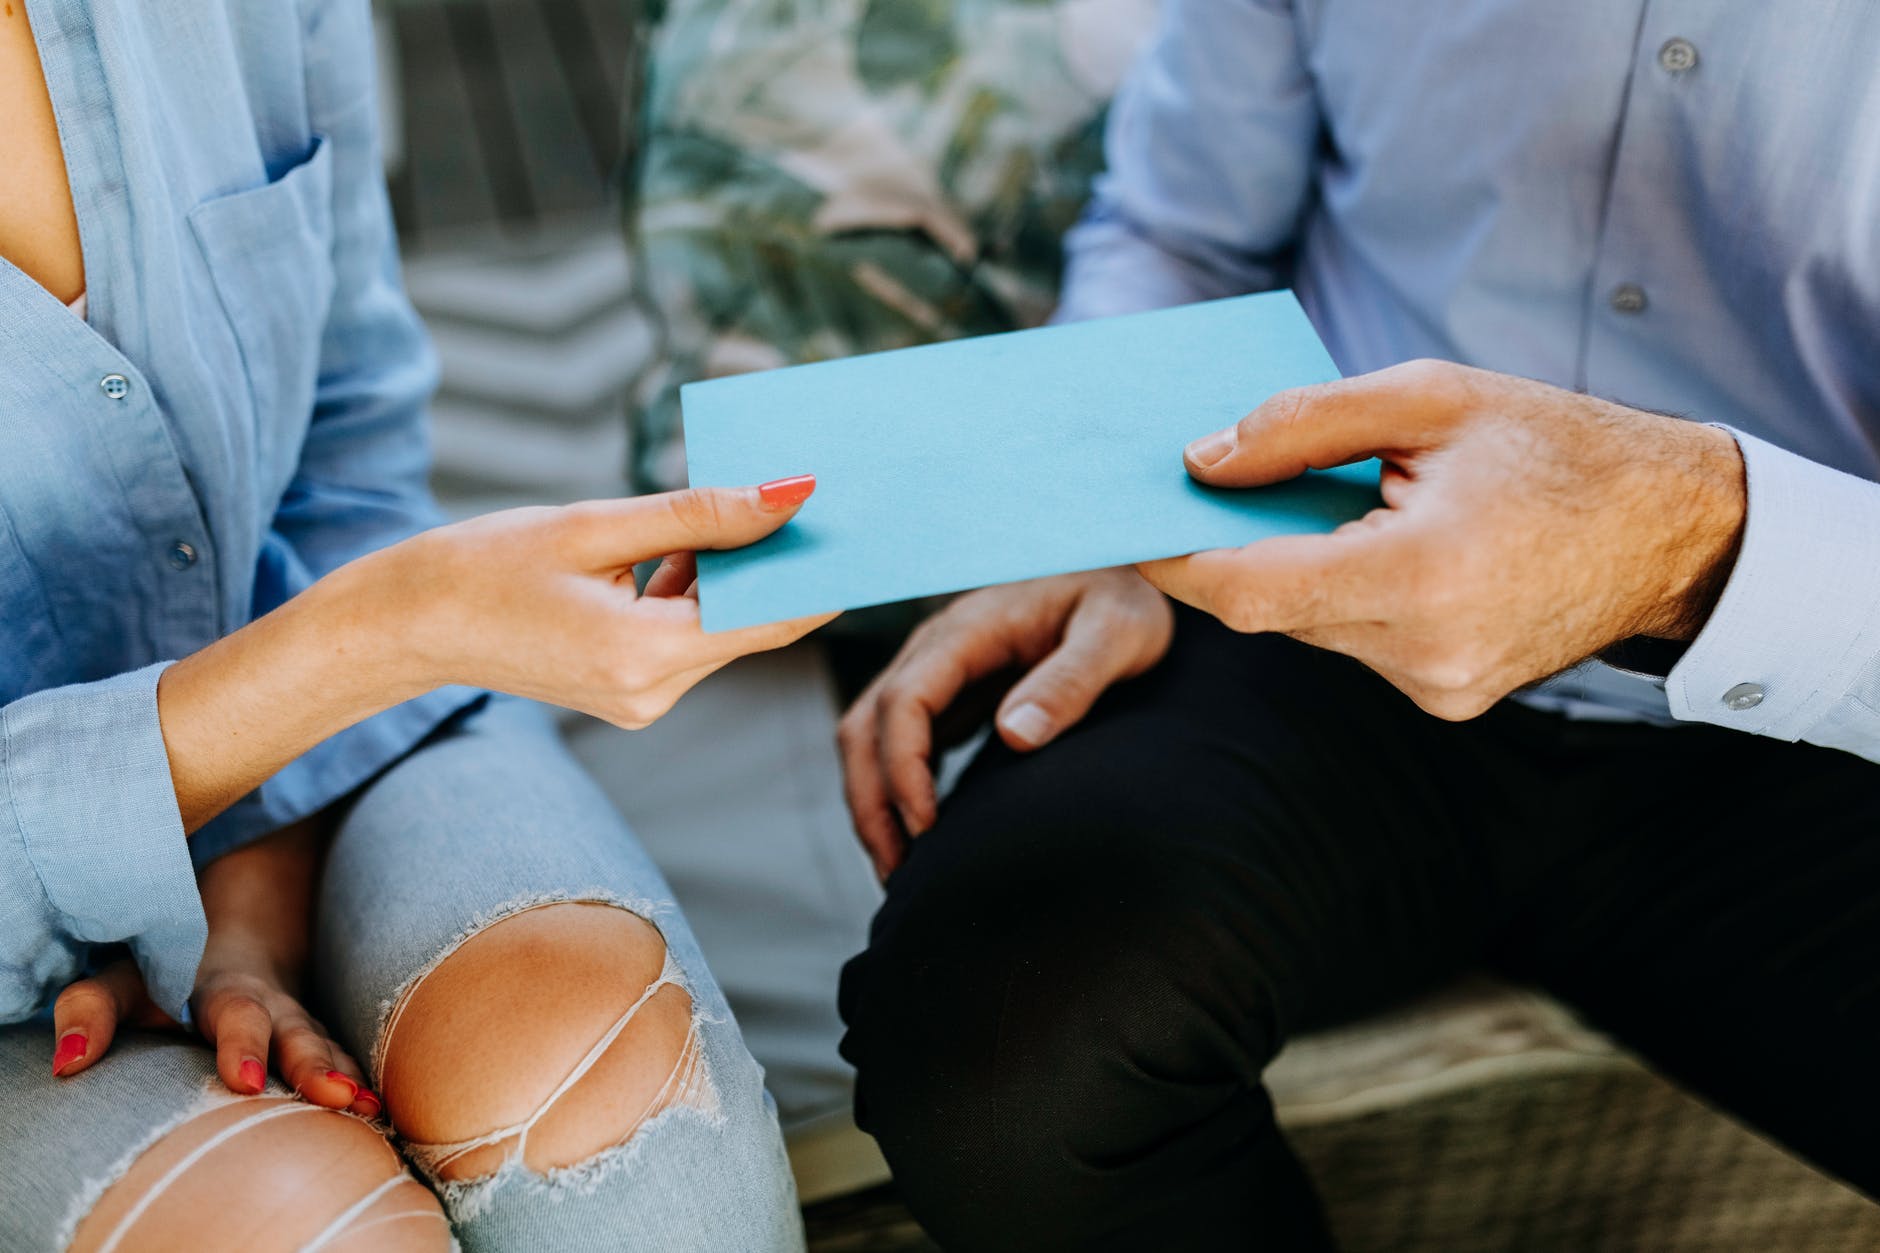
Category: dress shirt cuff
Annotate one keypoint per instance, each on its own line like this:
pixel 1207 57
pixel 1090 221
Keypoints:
pixel 87 780
pixel 1800 613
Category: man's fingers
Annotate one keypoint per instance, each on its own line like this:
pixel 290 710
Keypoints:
pixel 1332 424
pixel 865 786
pixel 1290 583
pixel 241 1029
pixel 927 680
pixel 904 747
pixel 85 1018
pixel 1060 689
pixel 611 534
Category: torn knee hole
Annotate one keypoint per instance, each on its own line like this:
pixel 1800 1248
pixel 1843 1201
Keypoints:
pixel 545 1038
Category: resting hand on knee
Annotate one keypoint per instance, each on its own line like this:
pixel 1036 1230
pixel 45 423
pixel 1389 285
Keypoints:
pixel 246 1002
pixel 1075 636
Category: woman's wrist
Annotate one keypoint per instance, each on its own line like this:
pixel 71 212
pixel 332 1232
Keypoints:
pixel 240 709
pixel 377 615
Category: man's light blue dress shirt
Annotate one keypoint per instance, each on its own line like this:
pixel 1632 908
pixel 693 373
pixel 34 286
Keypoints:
pixel 1674 204
pixel 242 413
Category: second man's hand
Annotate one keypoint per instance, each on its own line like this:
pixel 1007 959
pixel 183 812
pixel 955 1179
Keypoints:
pixel 1072 637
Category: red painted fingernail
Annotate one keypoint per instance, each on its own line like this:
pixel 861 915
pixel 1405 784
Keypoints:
pixel 371 1103
pixel 71 1048
pixel 254 1074
pixel 336 1077
pixel 781 494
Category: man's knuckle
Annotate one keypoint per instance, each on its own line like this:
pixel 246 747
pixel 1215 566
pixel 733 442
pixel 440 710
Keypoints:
pixel 1426 372
pixel 896 692
pixel 1241 612
pixel 1445 674
pixel 1281 412
pixel 1455 706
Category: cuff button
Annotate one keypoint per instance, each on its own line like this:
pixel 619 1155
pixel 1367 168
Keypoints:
pixel 1743 696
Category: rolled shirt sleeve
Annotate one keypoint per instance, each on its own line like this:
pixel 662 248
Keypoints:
pixel 1792 650
pixel 1210 148
pixel 92 849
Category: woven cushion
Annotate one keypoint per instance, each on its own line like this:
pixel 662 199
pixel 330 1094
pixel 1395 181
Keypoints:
pixel 1489 1118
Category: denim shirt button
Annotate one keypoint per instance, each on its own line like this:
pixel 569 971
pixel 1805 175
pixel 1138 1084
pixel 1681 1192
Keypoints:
pixel 116 386
pixel 182 555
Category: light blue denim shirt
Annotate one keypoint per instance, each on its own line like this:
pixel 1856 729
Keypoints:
pixel 1671 203
pixel 243 412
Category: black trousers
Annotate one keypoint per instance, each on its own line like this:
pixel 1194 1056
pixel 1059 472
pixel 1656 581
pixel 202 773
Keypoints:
pixel 1080 973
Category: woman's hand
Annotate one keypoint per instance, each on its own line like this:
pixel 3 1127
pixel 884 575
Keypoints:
pixel 1071 637
pixel 535 602
pixel 258 900
pixel 541 602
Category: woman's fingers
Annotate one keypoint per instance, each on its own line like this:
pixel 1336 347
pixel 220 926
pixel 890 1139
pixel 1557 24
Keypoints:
pixel 85 1018
pixel 248 1019
pixel 610 534
pixel 366 1103
pixel 310 1063
pixel 240 1027
pixel 675 574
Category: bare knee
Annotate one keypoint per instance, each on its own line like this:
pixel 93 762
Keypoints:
pixel 480 1053
pixel 266 1174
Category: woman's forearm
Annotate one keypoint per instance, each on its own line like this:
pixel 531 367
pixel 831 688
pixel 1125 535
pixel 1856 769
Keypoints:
pixel 537 602
pixel 236 712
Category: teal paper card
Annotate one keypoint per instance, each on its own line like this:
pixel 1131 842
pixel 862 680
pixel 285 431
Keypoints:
pixel 979 461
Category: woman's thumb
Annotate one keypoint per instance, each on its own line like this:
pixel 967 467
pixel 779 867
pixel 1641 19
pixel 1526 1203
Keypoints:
pixel 616 533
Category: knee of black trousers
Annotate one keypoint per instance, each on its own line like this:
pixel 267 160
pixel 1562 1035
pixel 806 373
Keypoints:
pixel 1056 1038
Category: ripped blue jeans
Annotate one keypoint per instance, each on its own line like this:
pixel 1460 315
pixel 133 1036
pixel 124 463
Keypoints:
pixel 488 819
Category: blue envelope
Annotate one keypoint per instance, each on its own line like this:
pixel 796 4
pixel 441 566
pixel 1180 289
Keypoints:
pixel 979 461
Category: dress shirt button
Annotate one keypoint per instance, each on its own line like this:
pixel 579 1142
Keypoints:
pixel 1743 696
pixel 182 555
pixel 1678 56
pixel 116 386
pixel 1628 298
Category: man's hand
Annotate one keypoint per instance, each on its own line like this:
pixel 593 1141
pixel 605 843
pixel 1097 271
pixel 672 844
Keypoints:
pixel 1074 635
pixel 1524 529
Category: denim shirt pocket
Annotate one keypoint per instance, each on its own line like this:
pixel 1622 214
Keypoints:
pixel 269 251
